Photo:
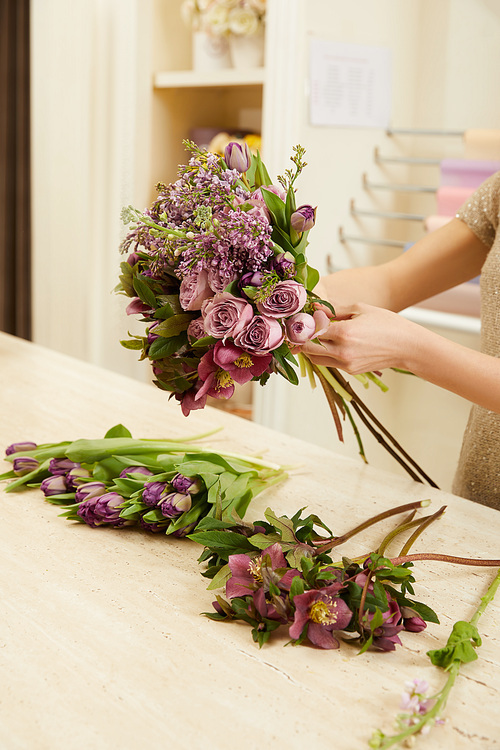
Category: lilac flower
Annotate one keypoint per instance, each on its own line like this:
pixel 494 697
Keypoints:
pixel 102 509
pixel 54 485
pixel 136 470
pixel 24 464
pixel 20 447
pixel 251 573
pixel 238 156
pixel 226 315
pixel 154 492
pixel 186 484
pixel 303 218
pixel 286 298
pixel 88 490
pixel 323 611
pixel 261 336
pixel 175 504
pixel 61 465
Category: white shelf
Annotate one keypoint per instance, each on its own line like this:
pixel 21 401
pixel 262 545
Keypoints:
pixel 174 79
pixel 438 319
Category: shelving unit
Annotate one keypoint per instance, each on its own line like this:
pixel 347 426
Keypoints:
pixel 172 79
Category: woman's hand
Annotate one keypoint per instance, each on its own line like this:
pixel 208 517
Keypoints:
pixel 366 338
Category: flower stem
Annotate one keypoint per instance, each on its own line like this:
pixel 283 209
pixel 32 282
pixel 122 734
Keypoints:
pixel 445 558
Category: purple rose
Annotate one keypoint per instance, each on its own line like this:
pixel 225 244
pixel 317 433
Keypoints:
pixel 89 490
pixel 196 330
pixel 194 290
pixel 186 484
pixel 303 218
pixel 103 509
pixel 219 278
pixel 287 298
pixel 261 335
pixel 24 464
pixel 20 447
pixel 175 503
pixel 238 156
pixel 54 485
pixel 226 315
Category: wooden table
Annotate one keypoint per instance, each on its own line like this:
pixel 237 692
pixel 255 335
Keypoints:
pixel 102 645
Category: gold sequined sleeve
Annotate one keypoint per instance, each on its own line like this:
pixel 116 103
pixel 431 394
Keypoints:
pixel 481 212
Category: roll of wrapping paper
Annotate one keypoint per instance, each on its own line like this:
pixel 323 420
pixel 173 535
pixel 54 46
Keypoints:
pixel 482 143
pixel 450 199
pixel 467 172
pixel 432 223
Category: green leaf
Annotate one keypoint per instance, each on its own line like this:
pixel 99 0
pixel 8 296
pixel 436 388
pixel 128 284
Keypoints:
pixel 118 431
pixel 461 645
pixel 144 292
pixel 164 347
pixel 135 344
pixel 220 578
pixel 297 587
pixel 276 208
pixel 312 278
pixel 225 543
pixel 173 325
pixel 283 524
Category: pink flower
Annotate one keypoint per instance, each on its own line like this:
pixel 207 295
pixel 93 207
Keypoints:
pixel 261 335
pixel 302 327
pixel 251 573
pixel 303 218
pixel 240 364
pixel 216 382
pixel 322 610
pixel 287 298
pixel 194 291
pixel 190 400
pixel 196 330
pixel 226 315
pixel 137 306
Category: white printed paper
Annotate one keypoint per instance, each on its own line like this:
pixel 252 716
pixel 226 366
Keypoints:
pixel 350 84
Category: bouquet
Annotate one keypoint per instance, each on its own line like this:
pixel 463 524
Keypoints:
pixel 223 17
pixel 217 270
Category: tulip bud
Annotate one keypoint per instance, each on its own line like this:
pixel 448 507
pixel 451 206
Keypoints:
pixel 303 218
pixel 284 265
pixel 175 503
pixel 238 156
pixel 20 447
pixel 89 490
pixel 76 476
pixel 62 465
pixel 154 492
pixel 136 470
pixel 186 484
pixel 24 464
pixel 54 485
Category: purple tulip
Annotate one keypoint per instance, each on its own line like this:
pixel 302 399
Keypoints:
pixel 24 464
pixel 20 447
pixel 184 530
pixel 54 485
pixel 303 218
pixel 62 465
pixel 103 509
pixel 88 490
pixel 76 476
pixel 136 470
pixel 154 492
pixel 238 156
pixel 284 265
pixel 186 484
pixel 175 503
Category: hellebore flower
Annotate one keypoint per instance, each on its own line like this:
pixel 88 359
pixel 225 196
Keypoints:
pixel 20 447
pixel 241 366
pixel 190 400
pixel 103 509
pixel 62 465
pixel 137 306
pixel 251 573
pixel 154 492
pixel 385 637
pixel 238 156
pixel 54 485
pixel 412 621
pixel 89 490
pixel 216 381
pixel 303 218
pixel 24 464
pixel 322 610
pixel 287 298
pixel 175 503
pixel 186 484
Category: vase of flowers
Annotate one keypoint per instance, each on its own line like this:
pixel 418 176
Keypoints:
pixel 229 31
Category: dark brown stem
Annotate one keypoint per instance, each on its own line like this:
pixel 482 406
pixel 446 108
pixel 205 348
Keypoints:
pixel 445 558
